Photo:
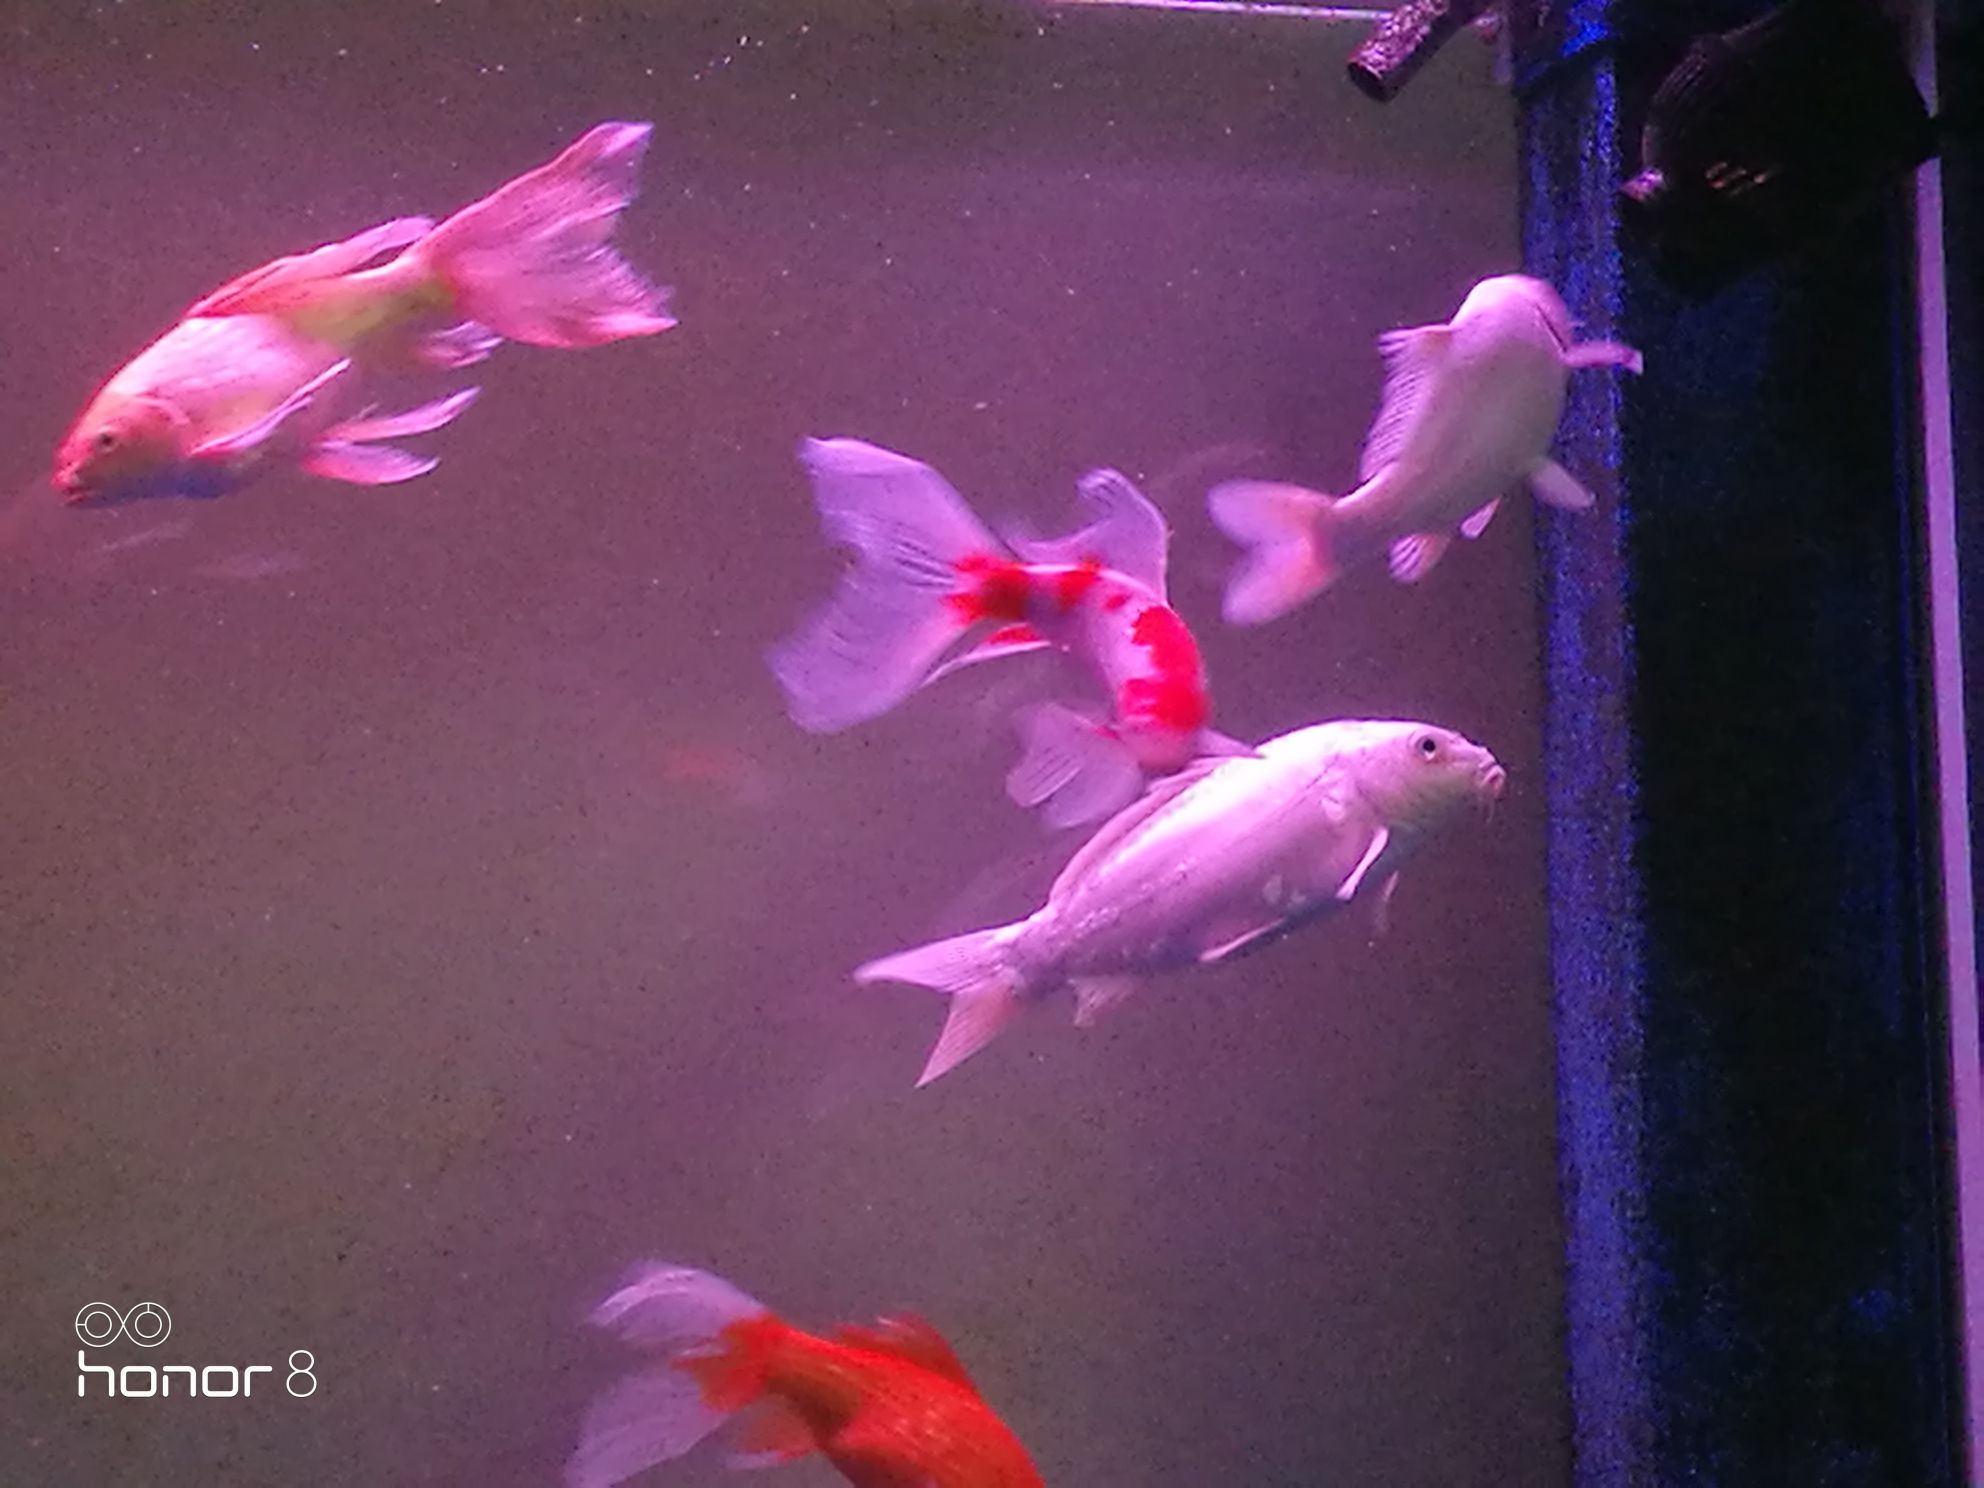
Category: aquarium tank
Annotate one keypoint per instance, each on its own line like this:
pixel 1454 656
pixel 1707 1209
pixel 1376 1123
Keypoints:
pixel 959 744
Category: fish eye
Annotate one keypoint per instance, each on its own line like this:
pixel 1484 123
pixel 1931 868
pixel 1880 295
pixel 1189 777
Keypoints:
pixel 105 439
pixel 1428 746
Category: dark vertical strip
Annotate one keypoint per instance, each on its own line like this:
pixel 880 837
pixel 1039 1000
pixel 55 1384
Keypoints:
pixel 1595 914
pixel 1740 855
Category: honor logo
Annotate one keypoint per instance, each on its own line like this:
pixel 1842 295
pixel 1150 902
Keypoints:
pixel 148 1325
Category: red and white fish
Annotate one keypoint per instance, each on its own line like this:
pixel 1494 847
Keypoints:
pixel 253 374
pixel 890 1406
pixel 1469 410
pixel 929 579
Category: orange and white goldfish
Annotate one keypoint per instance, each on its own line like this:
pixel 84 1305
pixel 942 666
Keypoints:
pixel 890 1406
pixel 251 374
pixel 928 575
pixel 1468 413
pixel 1207 866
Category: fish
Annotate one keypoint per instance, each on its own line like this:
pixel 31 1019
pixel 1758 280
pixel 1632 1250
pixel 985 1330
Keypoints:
pixel 889 1405
pixel 932 590
pixel 253 375
pixel 1209 865
pixel 1468 413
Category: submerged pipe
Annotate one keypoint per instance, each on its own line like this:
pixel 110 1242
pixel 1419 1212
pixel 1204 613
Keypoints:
pixel 1402 42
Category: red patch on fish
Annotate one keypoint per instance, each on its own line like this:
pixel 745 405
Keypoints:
pixel 994 589
pixel 896 1388
pixel 1174 696
pixel 1071 586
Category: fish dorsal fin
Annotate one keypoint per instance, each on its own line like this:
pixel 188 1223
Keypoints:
pixel 1412 357
pixel 908 1337
pixel 1126 533
pixel 269 287
pixel 1155 799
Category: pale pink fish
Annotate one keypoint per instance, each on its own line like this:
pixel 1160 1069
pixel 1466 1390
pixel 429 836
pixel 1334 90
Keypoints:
pixel 1469 410
pixel 253 374
pixel 1206 866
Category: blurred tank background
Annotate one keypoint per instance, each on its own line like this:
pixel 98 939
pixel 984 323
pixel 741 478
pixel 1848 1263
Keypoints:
pixel 415 904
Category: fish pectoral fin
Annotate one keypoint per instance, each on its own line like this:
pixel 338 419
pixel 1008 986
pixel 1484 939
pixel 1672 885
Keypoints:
pixel 1477 524
pixel 1259 935
pixel 1412 356
pixel 1381 914
pixel 1412 558
pixel 1604 354
pixel 270 287
pixel 1556 486
pixel 1375 849
pixel 910 1338
pixel 773 1434
pixel 230 451
pixel 1095 996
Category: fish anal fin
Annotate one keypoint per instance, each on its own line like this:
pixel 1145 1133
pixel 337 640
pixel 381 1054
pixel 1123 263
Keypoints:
pixel 1477 524
pixel 1412 355
pixel 1373 850
pixel 274 285
pixel 366 464
pixel 1412 558
pixel 452 347
pixel 1556 486
pixel 772 1434
pixel 909 1337
pixel 1097 996
pixel 869 1454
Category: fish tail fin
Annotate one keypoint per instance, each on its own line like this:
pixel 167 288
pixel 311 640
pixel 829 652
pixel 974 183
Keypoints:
pixel 1287 531
pixel 1075 769
pixel 894 614
pixel 713 1343
pixel 977 973
pixel 531 262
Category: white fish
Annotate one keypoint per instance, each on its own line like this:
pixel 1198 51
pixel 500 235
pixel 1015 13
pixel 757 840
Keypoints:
pixel 1208 864
pixel 1468 413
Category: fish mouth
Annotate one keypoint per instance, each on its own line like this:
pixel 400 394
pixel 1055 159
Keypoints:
pixel 1491 781
pixel 73 485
